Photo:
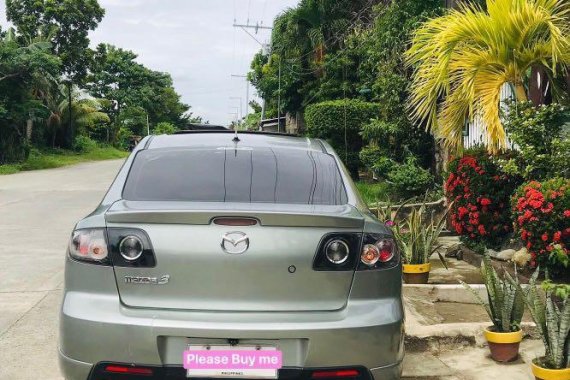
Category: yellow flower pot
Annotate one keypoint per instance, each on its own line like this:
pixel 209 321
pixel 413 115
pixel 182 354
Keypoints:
pixel 416 273
pixel 504 346
pixel 550 374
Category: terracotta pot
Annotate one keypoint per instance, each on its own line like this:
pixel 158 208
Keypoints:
pixel 549 374
pixel 416 273
pixel 504 346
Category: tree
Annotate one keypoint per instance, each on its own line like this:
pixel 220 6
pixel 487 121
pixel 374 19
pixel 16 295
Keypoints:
pixel 463 58
pixel 301 40
pixel 133 92
pixel 21 68
pixel 66 22
pixel 85 113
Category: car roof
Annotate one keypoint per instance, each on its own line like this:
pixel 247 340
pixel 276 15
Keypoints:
pixel 205 139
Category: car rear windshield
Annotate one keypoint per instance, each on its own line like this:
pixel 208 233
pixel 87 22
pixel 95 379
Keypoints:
pixel 235 175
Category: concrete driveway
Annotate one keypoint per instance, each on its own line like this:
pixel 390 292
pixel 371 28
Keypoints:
pixel 38 211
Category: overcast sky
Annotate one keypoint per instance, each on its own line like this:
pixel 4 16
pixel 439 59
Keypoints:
pixel 194 41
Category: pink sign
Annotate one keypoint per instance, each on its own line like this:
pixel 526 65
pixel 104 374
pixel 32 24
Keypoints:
pixel 232 359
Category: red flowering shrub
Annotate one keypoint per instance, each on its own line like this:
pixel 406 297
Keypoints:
pixel 481 194
pixel 541 212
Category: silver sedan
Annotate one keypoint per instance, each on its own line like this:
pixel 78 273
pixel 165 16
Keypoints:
pixel 215 255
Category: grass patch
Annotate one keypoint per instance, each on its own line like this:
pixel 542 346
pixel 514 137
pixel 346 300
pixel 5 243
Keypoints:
pixel 55 158
pixel 372 192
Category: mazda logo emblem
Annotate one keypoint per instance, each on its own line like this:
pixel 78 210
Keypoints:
pixel 235 242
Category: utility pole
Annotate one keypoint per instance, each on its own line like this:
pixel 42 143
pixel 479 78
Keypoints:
pixel 240 104
pixel 265 47
pixel 279 99
pixel 246 91
pixel 147 125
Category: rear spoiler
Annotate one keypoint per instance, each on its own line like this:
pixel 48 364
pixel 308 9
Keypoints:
pixel 202 213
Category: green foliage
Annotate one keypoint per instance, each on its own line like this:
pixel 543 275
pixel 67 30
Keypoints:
pixel 303 39
pixel 553 324
pixel 66 22
pixel 383 167
pixel 140 92
pixel 84 144
pixel 417 236
pixel 164 128
pixel 505 299
pixel 561 291
pixel 409 179
pixel 373 192
pixel 369 155
pixel 543 147
pixel 339 122
pixel 44 101
pixel 21 69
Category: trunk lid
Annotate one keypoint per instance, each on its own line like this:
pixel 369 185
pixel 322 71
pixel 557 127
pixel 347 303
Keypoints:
pixel 274 274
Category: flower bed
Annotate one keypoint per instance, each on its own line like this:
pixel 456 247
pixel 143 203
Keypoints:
pixel 542 218
pixel 480 193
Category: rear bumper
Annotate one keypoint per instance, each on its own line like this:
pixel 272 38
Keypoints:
pixel 97 328
pixel 79 370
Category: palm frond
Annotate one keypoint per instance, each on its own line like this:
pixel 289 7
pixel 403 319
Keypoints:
pixel 465 56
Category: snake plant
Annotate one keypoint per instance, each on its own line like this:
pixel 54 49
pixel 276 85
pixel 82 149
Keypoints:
pixel 416 239
pixel 505 304
pixel 553 322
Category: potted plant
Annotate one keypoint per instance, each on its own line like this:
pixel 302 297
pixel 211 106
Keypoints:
pixel 417 240
pixel 551 314
pixel 505 307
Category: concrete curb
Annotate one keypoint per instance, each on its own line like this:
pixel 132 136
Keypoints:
pixel 446 336
pixel 446 293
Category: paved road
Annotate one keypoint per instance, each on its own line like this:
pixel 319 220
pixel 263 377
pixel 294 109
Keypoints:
pixel 37 213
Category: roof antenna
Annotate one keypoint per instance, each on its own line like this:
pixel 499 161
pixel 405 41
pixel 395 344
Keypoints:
pixel 236 138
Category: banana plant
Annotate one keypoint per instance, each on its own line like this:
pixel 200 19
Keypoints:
pixel 505 298
pixel 552 320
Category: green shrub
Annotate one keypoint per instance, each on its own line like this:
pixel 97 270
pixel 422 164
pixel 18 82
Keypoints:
pixel 543 147
pixel 340 122
pixel 369 155
pixel 383 166
pixel 164 128
pixel 84 144
pixel 409 179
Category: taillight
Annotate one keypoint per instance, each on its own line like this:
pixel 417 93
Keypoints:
pixel 89 245
pixel 387 249
pixel 337 252
pixel 370 254
pixel 378 252
pixel 130 247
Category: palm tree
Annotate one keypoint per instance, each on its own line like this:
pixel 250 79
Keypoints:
pixel 462 60
pixel 85 112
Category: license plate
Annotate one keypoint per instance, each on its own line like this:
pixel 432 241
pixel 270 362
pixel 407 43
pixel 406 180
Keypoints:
pixel 256 362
